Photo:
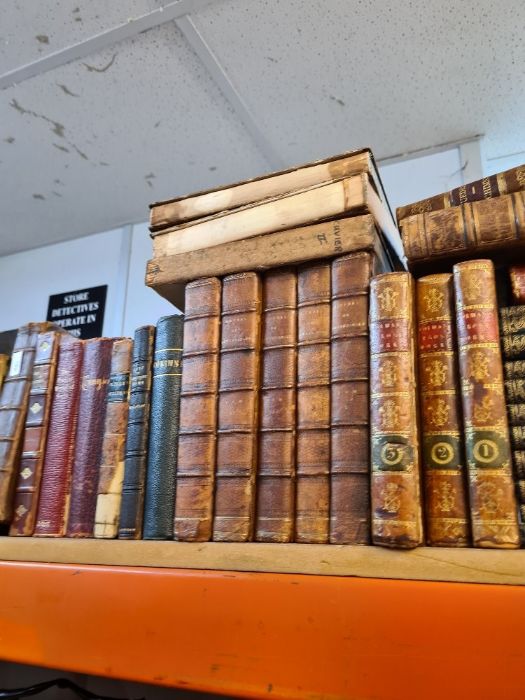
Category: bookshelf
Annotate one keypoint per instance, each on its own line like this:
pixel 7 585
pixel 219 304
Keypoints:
pixel 285 635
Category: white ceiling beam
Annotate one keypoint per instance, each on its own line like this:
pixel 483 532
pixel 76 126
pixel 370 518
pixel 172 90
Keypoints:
pixel 229 91
pixel 167 13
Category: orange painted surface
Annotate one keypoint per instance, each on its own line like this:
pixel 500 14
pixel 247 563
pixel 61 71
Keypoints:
pixel 268 635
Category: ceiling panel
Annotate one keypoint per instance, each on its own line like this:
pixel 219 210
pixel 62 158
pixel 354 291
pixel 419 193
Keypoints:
pixel 32 29
pixel 93 156
pixel 324 77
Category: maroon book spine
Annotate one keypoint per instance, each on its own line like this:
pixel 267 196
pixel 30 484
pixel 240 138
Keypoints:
pixel 90 432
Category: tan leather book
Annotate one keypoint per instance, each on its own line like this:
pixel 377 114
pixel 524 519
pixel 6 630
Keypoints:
pixel 443 460
pixel 234 516
pixel 27 489
pixel 395 486
pixel 349 392
pixel 200 204
pixel 4 366
pixel 276 472
pixel 471 229
pixel 512 180
pixel 111 470
pixel 195 478
pixel 313 404
pixel 13 407
pixel 493 506
pixel 325 201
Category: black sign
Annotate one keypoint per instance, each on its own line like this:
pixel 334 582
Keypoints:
pixel 81 312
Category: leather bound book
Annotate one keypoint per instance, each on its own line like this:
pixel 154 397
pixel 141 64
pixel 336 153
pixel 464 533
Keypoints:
pixel 276 473
pixel 313 404
pixel 53 506
pixel 111 471
pixel 13 407
pixel 514 369
pixel 516 413
pixel 96 367
pixel 518 457
pixel 508 181
pixel 234 516
pixel 198 412
pixel 350 455
pixel 4 366
pixel 517 283
pixel 515 390
pixel 395 484
pixel 487 445
pixel 487 225
pixel 513 346
pixel 132 505
pixel 512 319
pixel 446 507
pixel 27 490
pixel 159 506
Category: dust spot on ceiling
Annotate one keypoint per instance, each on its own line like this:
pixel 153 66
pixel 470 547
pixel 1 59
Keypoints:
pixel 42 38
pixel 338 100
pixel 38 196
pixel 212 168
pixel 156 125
pixel 77 150
pixel 149 178
pixel 10 139
pixel 58 128
pixel 67 91
pixel 61 148
pixel 103 162
pixel 104 68
pixel 57 194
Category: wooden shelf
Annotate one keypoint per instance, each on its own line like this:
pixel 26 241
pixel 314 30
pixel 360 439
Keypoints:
pixel 269 635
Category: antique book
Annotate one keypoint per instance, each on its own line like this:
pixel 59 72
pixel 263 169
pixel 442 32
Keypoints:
pixel 512 319
pixel 517 283
pixel 442 455
pixel 518 457
pixel 198 412
pixel 276 472
pixel 313 404
pixel 325 201
pixel 94 380
pixel 159 505
pixel 514 369
pixel 508 181
pixel 395 482
pixel 27 490
pixel 200 204
pixel 136 452
pixel 4 366
pixel 111 470
pixel 14 398
pixel 349 414
pixel 55 486
pixel 487 445
pixel 515 390
pixel 517 437
pixel 270 250
pixel 516 412
pixel 236 462
pixel 471 229
pixel 513 346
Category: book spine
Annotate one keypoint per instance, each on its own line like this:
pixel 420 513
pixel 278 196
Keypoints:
pixel 517 283
pixel 514 369
pixel 313 404
pixel 234 516
pixel 133 487
pixel 486 225
pixel 511 180
pixel 349 414
pixel 27 489
pixel 13 407
pixel 111 471
pixel 518 457
pixel 4 366
pixel 513 346
pixel 515 390
pixel 516 412
pixel 94 382
pixel 395 482
pixel 487 445
pixel 276 474
pixel 159 506
pixel 512 319
pixel 447 523
pixel 53 506
pixel 198 412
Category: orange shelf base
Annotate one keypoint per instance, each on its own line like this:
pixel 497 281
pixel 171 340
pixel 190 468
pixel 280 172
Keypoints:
pixel 267 635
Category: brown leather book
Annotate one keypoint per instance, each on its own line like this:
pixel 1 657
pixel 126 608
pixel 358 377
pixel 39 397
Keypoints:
pixel 313 404
pixel 395 485
pixel 111 472
pixel 517 283
pixel 493 505
pixel 350 438
pixel 27 491
pixel 198 412
pixel 4 366
pixel 234 516
pixel 512 180
pixel 13 407
pixel 96 368
pixel 276 473
pixel 487 225
pixel 446 507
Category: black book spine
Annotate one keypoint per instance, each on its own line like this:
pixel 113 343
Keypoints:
pixel 516 413
pixel 132 508
pixel 517 436
pixel 164 429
